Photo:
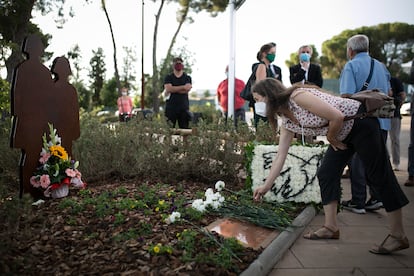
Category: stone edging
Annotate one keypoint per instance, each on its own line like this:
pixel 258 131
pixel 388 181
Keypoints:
pixel 277 248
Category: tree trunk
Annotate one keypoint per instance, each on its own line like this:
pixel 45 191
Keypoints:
pixel 155 71
pixel 118 82
pixel 180 24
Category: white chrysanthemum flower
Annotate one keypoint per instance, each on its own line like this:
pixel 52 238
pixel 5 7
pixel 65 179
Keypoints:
pixel 209 192
pixel 199 205
pixel 173 217
pixel 220 185
pixel 221 199
pixel 215 205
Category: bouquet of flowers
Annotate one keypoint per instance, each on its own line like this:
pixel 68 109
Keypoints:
pixel 56 171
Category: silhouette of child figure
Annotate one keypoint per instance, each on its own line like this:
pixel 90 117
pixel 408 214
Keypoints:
pixel 66 115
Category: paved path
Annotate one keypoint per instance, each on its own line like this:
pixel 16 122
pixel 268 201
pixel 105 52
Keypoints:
pixel 349 255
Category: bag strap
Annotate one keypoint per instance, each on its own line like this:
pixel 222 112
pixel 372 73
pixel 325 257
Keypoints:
pixel 366 83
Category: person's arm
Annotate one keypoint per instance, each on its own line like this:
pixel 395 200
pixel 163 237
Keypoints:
pixel 181 89
pixel 261 72
pixel 322 109
pixel 297 74
pixel 131 104
pixel 285 140
pixel 119 104
pixel 347 85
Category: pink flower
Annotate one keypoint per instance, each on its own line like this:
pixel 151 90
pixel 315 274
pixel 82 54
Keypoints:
pixel 34 181
pixel 69 172
pixel 44 157
pixel 44 181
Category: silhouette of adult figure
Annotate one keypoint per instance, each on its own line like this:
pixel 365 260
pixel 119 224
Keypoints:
pixel 65 117
pixel 31 98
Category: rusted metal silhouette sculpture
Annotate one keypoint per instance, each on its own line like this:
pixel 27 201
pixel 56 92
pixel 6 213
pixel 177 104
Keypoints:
pixel 66 115
pixel 36 101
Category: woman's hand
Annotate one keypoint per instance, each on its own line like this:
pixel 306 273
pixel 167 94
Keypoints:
pixel 336 145
pixel 260 192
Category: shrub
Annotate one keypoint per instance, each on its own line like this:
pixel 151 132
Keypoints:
pixel 150 150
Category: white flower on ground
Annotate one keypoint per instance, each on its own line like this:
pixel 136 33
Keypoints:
pixel 199 205
pixel 173 217
pixel 209 192
pixel 220 185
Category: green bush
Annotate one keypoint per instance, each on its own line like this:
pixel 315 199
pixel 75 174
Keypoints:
pixel 148 149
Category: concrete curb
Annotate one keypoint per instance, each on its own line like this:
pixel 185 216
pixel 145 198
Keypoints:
pixel 277 248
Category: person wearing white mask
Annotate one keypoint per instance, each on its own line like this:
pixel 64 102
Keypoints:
pixel 309 109
pixel 125 106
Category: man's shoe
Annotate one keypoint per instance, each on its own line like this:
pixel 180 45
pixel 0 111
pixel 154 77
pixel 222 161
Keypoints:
pixel 373 204
pixel 349 205
pixel 409 182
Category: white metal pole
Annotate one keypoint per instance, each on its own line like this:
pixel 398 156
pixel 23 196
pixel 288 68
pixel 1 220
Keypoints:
pixel 230 108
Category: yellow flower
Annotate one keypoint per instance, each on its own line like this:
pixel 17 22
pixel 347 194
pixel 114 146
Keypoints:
pixel 161 202
pixel 156 249
pixel 58 151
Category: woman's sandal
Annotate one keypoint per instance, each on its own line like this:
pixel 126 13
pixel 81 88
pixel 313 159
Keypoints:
pixel 331 235
pixel 398 244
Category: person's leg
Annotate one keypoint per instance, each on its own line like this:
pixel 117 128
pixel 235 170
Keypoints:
pixel 183 119
pixel 329 177
pixel 375 202
pixel 410 168
pixel 396 240
pixel 395 141
pixel 358 186
pixel 330 228
pixel 240 116
pixel 171 115
pixel 369 144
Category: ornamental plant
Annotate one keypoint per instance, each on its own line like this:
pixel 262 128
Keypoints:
pixel 56 168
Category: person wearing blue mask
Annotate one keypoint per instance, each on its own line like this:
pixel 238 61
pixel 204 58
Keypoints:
pixel 306 72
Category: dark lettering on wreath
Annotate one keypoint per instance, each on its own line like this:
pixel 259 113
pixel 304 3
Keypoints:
pixel 285 189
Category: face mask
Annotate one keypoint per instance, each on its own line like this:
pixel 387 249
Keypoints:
pixel 178 66
pixel 260 108
pixel 304 57
pixel 124 93
pixel 271 57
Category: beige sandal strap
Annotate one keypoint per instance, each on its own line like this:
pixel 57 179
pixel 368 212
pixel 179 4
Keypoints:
pixel 329 229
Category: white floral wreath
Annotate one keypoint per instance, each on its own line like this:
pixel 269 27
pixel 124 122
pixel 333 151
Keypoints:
pixel 297 181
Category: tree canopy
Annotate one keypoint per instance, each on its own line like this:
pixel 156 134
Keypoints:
pixel 390 43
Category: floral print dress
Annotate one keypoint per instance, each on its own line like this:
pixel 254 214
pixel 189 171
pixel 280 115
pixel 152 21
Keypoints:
pixel 313 125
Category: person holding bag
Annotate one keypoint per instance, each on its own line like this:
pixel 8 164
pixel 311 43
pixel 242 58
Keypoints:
pixel 308 110
pixel 261 70
pixel 363 72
